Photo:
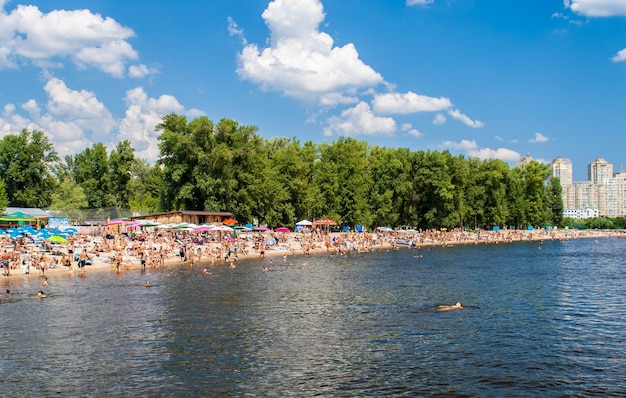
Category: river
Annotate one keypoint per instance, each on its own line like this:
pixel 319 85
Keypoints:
pixel 540 319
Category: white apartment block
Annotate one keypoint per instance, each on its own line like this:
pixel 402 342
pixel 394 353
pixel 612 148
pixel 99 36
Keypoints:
pixel 580 213
pixel 604 193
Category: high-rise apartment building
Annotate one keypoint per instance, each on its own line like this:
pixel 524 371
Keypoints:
pixel 562 169
pixel 603 191
pixel 598 170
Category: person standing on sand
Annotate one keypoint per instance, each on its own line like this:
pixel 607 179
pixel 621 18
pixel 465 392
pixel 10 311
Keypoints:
pixel 142 257
pixel 5 263
pixel 82 260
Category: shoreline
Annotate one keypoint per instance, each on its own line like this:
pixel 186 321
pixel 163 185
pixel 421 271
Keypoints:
pixel 219 253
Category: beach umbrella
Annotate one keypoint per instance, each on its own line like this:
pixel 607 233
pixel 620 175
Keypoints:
pixel 324 222
pixel 56 239
pixel 304 223
pixel 203 228
pixel 115 222
pixel 282 229
pixel 229 221
pixel 262 229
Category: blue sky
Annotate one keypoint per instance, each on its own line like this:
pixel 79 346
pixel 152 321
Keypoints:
pixel 484 78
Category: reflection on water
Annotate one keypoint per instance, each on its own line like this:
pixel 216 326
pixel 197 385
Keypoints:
pixel 540 319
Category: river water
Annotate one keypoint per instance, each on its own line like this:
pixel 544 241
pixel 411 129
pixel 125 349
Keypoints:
pixel 540 319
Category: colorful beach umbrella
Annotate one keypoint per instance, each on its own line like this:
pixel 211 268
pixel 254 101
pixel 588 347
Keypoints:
pixel 56 239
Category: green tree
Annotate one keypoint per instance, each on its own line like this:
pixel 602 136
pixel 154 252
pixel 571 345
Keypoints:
pixel 527 195
pixel 145 186
pixel 493 177
pixel 343 182
pixel 292 167
pixel 121 160
pixel 555 201
pixel 26 163
pixel 91 172
pixel 69 197
pixel 4 201
pixel 434 190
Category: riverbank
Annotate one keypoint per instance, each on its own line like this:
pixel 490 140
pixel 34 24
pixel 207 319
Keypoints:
pixel 127 254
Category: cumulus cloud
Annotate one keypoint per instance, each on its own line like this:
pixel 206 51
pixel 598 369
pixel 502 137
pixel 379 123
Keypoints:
pixel 301 61
pixel 470 148
pixel 539 139
pixel 141 70
pixel 47 39
pixel 408 128
pixel 456 114
pixel 620 56
pixel 75 119
pixel 597 8
pixel 396 103
pixel 142 115
pixel 439 119
pixel 360 120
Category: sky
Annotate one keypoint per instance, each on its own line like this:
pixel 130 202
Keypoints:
pixel 482 78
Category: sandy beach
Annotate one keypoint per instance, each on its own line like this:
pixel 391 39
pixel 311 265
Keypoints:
pixel 149 250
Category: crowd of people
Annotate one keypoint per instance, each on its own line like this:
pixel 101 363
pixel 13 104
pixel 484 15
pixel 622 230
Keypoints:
pixel 151 248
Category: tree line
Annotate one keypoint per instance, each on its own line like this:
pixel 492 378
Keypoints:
pixel 226 166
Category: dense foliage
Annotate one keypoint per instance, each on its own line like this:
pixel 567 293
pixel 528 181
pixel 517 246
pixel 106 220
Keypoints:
pixel 229 167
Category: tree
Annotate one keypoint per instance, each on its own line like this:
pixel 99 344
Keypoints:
pixel 145 186
pixel 91 172
pixel 69 197
pixel 434 190
pixel 343 182
pixel 555 201
pixel 4 201
pixel 121 160
pixel 26 163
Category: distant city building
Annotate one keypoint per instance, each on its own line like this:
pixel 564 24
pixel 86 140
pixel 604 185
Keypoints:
pixel 562 169
pixel 580 213
pixel 598 170
pixel 604 194
pixel 523 161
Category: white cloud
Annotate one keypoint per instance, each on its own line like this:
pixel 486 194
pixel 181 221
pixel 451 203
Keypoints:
pixel 140 71
pixel 303 62
pixel 74 120
pixel 47 39
pixel 142 116
pixel 539 139
pixel 408 127
pixel 456 114
pixel 620 56
pixel 471 149
pixel 419 2
pixel 396 103
pixel 597 8
pixel 439 119
pixel 360 120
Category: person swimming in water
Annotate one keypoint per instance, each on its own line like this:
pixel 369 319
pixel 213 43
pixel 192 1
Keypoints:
pixel 456 306
pixel 41 294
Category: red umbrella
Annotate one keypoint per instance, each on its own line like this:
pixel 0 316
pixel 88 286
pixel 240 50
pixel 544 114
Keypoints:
pixel 282 229
pixel 324 221
pixel 230 221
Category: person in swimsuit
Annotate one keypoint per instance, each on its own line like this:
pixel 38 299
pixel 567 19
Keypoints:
pixel 456 306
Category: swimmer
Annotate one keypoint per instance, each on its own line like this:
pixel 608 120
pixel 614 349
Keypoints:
pixel 265 269
pixel 205 271
pixel 45 281
pixel 456 306
pixel 148 284
pixel 41 294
